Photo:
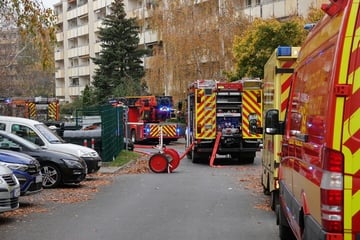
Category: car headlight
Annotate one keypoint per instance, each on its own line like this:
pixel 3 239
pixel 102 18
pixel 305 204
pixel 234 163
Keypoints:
pixel 16 166
pixel 89 154
pixel 72 163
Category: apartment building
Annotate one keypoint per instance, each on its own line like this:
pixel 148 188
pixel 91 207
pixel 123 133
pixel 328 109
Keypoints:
pixel 78 42
pixel 278 8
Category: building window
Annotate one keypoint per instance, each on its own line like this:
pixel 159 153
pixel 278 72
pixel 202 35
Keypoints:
pixel 74 82
pixel 248 3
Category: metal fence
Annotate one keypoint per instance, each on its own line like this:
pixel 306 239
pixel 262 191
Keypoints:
pixel 111 140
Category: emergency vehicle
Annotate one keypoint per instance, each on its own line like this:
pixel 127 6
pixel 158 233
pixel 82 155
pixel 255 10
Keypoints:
pixel 37 108
pixel 277 80
pixel 224 118
pixel 319 174
pixel 148 118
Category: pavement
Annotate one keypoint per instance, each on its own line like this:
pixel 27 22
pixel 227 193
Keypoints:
pixel 109 169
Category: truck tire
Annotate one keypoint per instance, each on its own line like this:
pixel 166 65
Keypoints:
pixel 274 199
pixel 247 158
pixel 195 156
pixel 250 160
pixel 266 189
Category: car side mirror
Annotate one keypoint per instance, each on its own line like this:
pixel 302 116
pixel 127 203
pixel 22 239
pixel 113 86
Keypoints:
pixel 272 124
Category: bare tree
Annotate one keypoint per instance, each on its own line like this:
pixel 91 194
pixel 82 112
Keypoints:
pixel 27 40
pixel 196 43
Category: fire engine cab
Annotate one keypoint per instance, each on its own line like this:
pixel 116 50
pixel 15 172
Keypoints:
pixel 224 118
pixel 319 173
pixel 148 118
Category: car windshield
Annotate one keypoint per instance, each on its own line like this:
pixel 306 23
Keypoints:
pixel 48 134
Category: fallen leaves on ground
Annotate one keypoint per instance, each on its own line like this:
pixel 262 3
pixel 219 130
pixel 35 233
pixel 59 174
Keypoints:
pixel 139 166
pixel 86 190
pixel 252 182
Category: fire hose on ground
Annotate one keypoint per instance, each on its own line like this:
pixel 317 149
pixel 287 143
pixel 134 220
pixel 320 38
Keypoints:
pixel 167 159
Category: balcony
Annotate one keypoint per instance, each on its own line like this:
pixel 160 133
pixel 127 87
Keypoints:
pixel 59 55
pixel 59 18
pixel 84 70
pixel 74 90
pixel 78 51
pixel 277 9
pixel 59 91
pixel 149 36
pixel 59 73
pixel 75 12
pixel 140 13
pixel 98 4
pixel 59 36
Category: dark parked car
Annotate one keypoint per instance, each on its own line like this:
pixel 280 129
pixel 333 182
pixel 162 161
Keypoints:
pixel 25 168
pixel 56 167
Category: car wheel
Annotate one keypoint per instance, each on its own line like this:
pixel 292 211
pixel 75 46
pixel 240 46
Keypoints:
pixel 51 176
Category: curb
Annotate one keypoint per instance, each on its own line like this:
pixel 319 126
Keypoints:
pixel 112 170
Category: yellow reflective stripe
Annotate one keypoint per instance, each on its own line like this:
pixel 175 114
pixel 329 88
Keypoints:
pixel 338 122
pixel 351 126
pixel 351 202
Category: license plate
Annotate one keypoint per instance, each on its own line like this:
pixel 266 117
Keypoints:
pixel 38 179
pixel 16 192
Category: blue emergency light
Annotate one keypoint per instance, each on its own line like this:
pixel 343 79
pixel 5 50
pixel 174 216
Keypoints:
pixel 164 109
pixel 284 51
pixel 147 130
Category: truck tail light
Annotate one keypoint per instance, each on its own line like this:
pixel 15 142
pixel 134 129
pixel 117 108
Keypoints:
pixel 332 195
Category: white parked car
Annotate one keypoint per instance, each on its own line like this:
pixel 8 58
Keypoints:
pixel 40 134
pixel 9 190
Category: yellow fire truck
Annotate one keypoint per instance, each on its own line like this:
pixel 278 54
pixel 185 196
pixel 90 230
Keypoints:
pixel 224 118
pixel 277 80
pixel 37 108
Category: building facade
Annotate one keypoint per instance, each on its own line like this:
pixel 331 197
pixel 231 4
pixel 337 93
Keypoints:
pixel 79 21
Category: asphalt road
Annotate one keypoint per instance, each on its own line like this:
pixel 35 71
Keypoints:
pixel 196 202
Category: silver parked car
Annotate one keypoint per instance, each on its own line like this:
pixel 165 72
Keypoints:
pixel 9 190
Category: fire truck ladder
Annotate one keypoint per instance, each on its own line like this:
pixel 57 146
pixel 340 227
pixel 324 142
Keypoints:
pixel 215 149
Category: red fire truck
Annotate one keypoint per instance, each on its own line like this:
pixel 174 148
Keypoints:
pixel 149 117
